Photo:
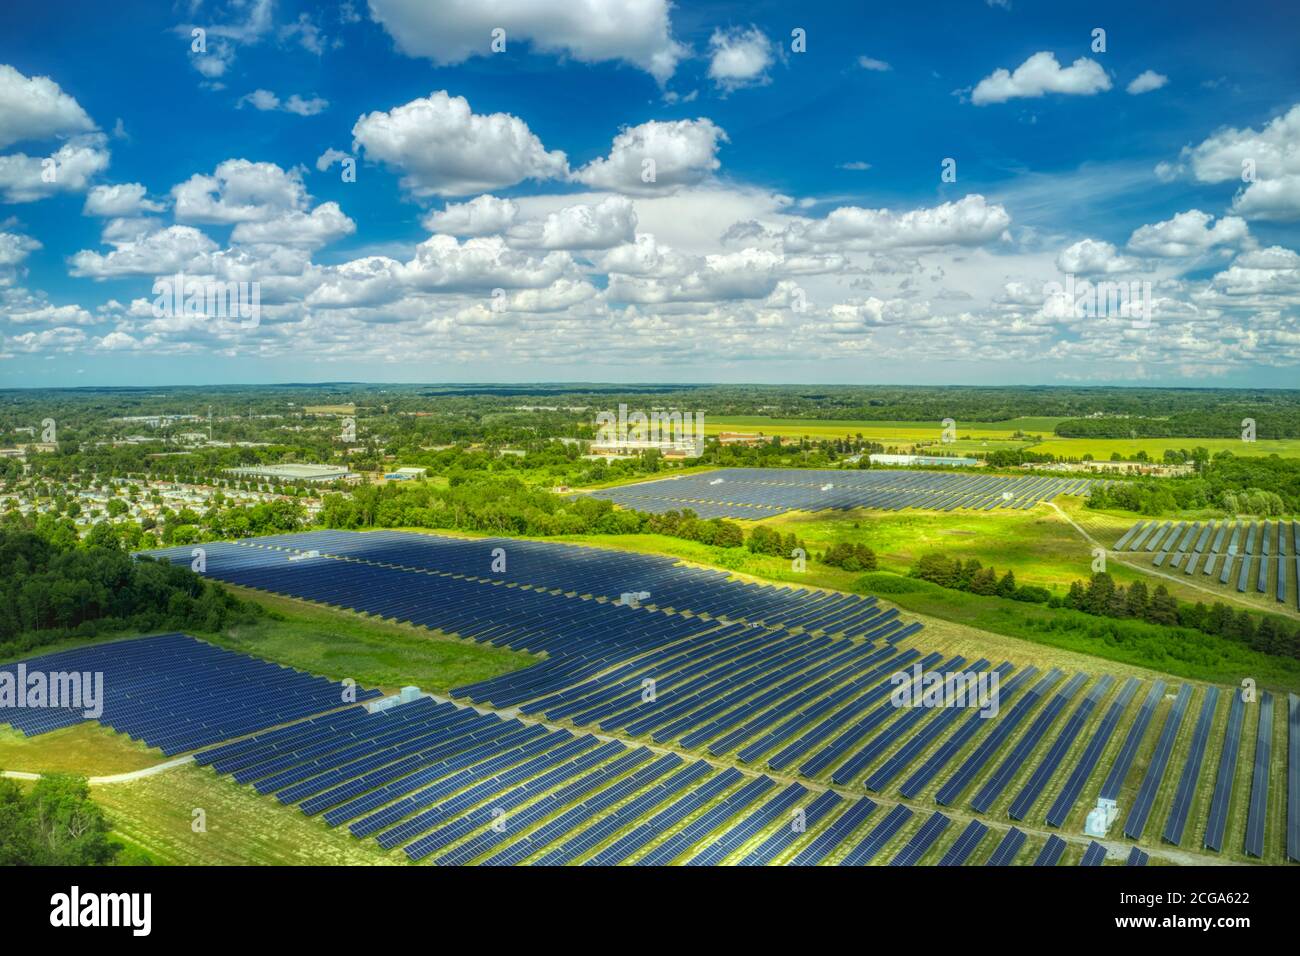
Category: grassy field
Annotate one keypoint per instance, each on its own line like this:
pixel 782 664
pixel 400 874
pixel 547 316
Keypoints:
pixel 1102 448
pixel 89 749
pixel 992 436
pixel 375 653
pixel 957 622
pixel 156 814
pixel 886 432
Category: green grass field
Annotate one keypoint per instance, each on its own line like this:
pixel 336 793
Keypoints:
pixel 89 749
pixel 156 815
pixel 957 622
pixel 887 432
pixel 975 437
pixel 375 653
pixel 1102 448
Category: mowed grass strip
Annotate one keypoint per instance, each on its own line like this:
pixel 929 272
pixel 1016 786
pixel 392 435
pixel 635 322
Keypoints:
pixel 89 749
pixel 157 814
pixel 375 653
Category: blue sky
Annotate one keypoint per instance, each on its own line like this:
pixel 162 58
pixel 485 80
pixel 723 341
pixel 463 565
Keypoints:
pixel 501 226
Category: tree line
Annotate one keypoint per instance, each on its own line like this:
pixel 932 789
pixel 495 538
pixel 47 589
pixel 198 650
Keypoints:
pixel 51 590
pixel 1102 597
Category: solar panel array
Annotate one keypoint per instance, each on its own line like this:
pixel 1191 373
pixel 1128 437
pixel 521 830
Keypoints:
pixel 174 692
pixel 1262 557
pixel 1293 778
pixel 763 679
pixel 451 785
pixel 756 493
pixel 447 784
pixel 564 600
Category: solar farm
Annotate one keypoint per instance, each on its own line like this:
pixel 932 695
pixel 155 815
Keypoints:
pixel 678 716
pixel 1252 557
pixel 765 493
pixel 176 693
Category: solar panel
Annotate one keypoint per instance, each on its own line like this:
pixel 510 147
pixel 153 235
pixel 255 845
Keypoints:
pixel 1293 778
pixel 786 837
pixel 752 494
pixel 1141 809
pixel 1095 855
pixel 922 840
pixel 839 830
pixel 1050 854
pixel 1256 816
pixel 965 844
pixel 1011 764
pixel 1046 769
pixel 1223 782
pixel 1008 849
pixel 177 693
pixel 1177 819
pixel 875 841
pixel 1119 769
pixel 1069 794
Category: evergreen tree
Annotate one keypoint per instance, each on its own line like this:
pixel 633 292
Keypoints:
pixel 1007 586
pixel 1137 600
pixel 1163 609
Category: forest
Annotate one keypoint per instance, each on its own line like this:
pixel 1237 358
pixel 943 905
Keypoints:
pixel 51 590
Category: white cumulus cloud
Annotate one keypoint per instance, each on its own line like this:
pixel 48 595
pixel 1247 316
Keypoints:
pixel 480 216
pixel 444 148
pixel 584 226
pixel 1145 82
pixel 121 199
pixel 35 107
pixel 239 191
pixel 590 31
pixel 1041 74
pixel 1092 257
pixel 657 158
pixel 740 57
pixel 1188 234
pixel 968 221
pixel 68 169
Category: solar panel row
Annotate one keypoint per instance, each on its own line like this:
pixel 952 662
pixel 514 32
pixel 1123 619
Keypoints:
pixel 172 691
pixel 1218 819
pixel 1177 819
pixel 1257 812
pixel 786 694
pixel 1256 550
pixel 1146 795
pixel 1293 777
pixel 765 492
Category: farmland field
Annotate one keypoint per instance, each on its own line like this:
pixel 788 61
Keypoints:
pixel 992 436
pixel 1102 448
pixel 893 433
